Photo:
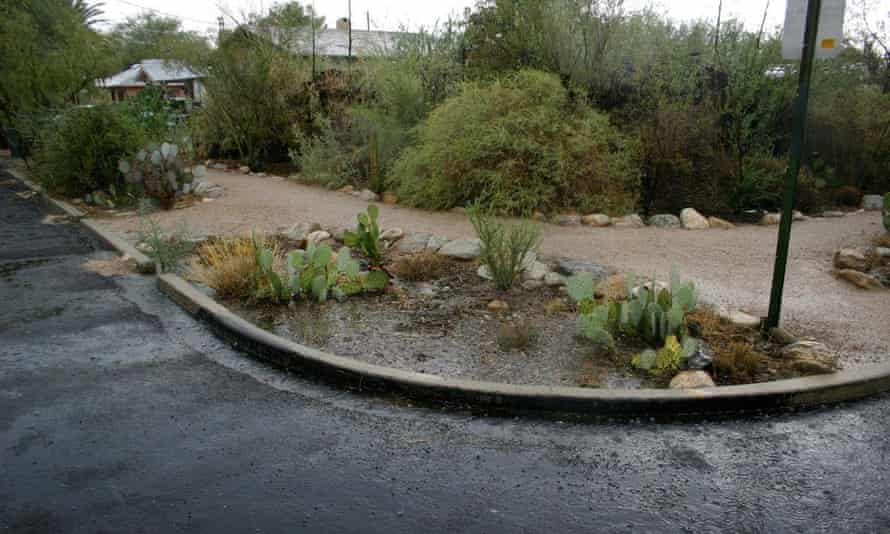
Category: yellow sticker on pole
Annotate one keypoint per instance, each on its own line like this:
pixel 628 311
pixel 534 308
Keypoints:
pixel 831 29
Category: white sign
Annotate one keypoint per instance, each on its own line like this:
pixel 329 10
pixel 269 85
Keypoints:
pixel 831 29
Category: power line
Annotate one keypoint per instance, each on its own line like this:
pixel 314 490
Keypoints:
pixel 159 12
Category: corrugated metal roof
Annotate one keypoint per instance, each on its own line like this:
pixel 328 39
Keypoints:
pixel 335 43
pixel 151 70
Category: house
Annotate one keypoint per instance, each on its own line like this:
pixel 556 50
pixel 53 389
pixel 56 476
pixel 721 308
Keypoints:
pixel 334 43
pixel 179 81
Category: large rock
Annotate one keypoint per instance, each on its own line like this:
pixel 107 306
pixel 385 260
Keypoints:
pixel 852 258
pixel 693 220
pixel 367 195
pixel 872 202
pixel 208 189
pixel 553 279
pixel 771 219
pixel 414 243
pixel 299 231
pixel 567 220
pixel 720 224
pixel 665 220
pixel 462 249
pixel 628 221
pixel 692 380
pixel 859 279
pixel 393 234
pixel 833 214
pixel 738 318
pixel 317 237
pixel 810 357
pixel 537 271
pixel 596 220
pixel 570 267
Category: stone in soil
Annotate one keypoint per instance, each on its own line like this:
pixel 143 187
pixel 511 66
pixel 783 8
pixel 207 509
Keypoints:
pixel 872 202
pixel 567 220
pixel 347 189
pixel 498 306
pixel 414 243
pixel 702 359
pixel 317 237
pixel 485 273
pixel 859 279
pixel 720 224
pixel 629 221
pixel 299 231
pixel 692 380
pixel 809 358
pixel 852 258
pixel 833 214
pixel 244 169
pixel 208 189
pixel 739 318
pixel 393 234
pixel 462 249
pixel 596 220
pixel 782 337
pixel 367 195
pixel 553 279
pixel 536 272
pixel 569 267
pixel 532 285
pixel 665 220
pixel 693 220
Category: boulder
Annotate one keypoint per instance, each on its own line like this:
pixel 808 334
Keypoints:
pixel 317 237
pixel 852 258
pixel 529 260
pixel 392 234
pixel 656 286
pixel 771 219
pixel 782 337
pixel 810 357
pixel 414 243
pixel 347 189
pixel 462 249
pixel 537 271
pixel 567 220
pixel 833 214
pixel 720 224
pixel 553 279
pixel 596 219
pixel 859 279
pixel 665 220
pixel 739 318
pixel 207 189
pixel 692 380
pixel 244 169
pixel 693 220
pixel 532 285
pixel 299 231
pixel 629 221
pixel 703 359
pixel 498 306
pixel 872 202
pixel 570 267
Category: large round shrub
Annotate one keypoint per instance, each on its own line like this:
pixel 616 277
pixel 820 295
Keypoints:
pixel 518 144
pixel 79 149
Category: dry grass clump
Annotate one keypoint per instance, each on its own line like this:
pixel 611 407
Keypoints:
pixel 736 359
pixel 517 336
pixel 420 267
pixel 227 266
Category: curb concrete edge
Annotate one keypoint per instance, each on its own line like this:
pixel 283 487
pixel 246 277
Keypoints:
pixel 513 399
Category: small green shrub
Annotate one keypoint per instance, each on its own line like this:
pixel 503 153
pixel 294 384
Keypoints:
pixel 504 247
pixel 518 145
pixel 78 152
pixel 165 250
pixel 367 236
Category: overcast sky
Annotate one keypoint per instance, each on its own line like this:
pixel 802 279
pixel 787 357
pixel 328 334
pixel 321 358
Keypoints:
pixel 200 15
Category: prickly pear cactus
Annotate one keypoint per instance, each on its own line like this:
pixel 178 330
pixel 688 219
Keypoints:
pixel 157 169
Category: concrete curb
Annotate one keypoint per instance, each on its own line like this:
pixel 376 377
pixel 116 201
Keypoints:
pixel 504 398
pixel 143 263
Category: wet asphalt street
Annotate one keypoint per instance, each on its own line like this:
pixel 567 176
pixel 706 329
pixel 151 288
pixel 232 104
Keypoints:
pixel 119 414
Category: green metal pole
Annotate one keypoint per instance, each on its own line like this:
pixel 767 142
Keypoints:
pixel 798 132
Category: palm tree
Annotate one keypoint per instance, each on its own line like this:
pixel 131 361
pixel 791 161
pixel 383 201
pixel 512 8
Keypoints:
pixel 90 13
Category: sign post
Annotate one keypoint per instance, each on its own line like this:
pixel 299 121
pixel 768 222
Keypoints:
pixel 799 123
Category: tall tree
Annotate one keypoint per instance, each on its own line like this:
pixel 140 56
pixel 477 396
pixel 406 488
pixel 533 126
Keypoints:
pixel 149 36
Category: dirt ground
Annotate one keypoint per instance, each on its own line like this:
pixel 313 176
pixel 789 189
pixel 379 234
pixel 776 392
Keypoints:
pixel 730 267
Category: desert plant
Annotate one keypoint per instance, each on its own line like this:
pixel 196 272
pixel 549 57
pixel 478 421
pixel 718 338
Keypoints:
pixel 518 144
pixel 505 248
pixel 159 171
pixel 227 266
pixel 367 235
pixel 738 363
pixel 420 267
pixel 165 250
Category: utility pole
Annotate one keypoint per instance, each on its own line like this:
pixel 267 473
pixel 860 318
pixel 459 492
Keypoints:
pixel 798 131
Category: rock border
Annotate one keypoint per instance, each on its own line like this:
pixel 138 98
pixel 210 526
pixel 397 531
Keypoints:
pixel 494 398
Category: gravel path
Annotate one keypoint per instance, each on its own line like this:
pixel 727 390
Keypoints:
pixel 731 267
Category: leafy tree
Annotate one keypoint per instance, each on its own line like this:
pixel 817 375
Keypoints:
pixel 150 36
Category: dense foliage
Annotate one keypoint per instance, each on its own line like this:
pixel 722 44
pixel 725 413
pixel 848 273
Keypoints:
pixel 521 143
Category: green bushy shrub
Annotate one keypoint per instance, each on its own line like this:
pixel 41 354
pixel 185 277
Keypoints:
pixel 518 144
pixel 79 150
